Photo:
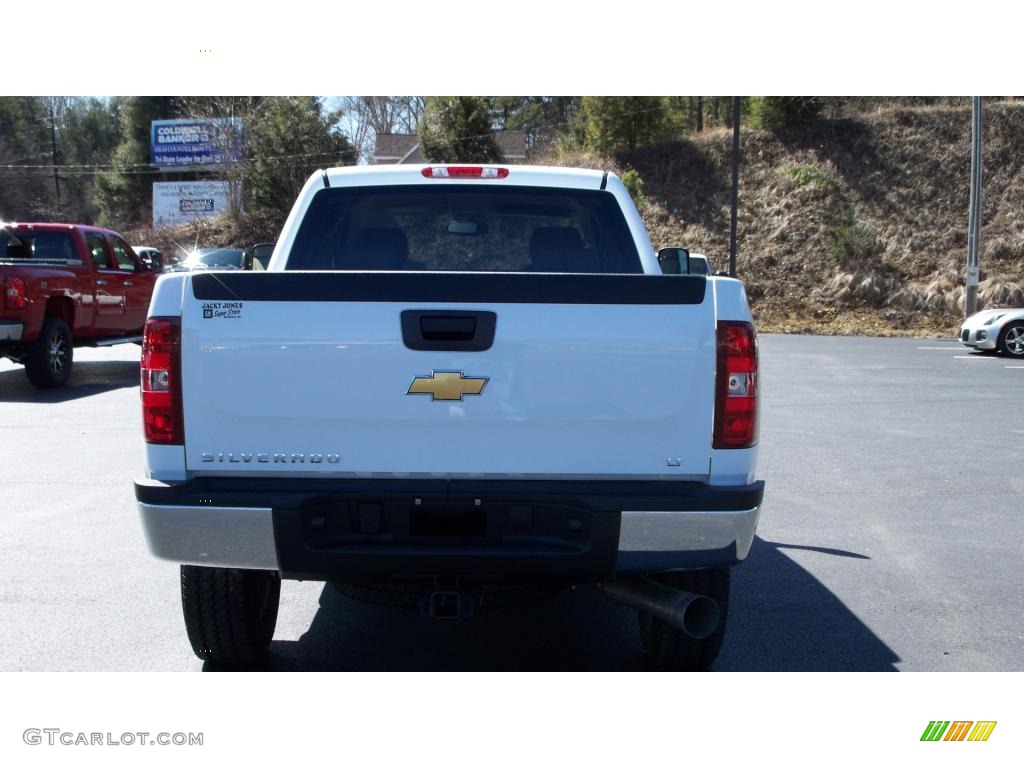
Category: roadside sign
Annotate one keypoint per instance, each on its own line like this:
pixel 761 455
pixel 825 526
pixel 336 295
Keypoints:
pixel 177 202
pixel 196 143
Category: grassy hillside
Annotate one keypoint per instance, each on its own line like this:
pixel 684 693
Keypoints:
pixel 853 225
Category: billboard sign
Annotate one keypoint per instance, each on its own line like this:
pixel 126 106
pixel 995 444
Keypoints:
pixel 178 202
pixel 196 143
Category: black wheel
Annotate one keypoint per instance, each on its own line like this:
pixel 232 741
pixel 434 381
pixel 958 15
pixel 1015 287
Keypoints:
pixel 1011 340
pixel 669 648
pixel 49 358
pixel 230 614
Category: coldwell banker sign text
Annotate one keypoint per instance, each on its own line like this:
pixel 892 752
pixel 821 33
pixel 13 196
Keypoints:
pixel 176 202
pixel 177 143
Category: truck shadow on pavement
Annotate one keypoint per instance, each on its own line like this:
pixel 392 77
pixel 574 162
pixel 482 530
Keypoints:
pixel 87 378
pixel 781 618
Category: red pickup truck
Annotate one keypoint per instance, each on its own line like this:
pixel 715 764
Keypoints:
pixel 67 285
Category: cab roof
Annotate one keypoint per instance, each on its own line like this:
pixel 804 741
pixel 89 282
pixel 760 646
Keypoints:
pixel 518 175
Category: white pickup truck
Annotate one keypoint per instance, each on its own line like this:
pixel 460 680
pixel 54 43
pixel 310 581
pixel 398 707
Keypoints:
pixel 452 387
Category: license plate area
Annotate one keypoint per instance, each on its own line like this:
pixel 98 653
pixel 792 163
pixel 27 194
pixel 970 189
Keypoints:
pixel 391 534
pixel 383 523
pixel 447 523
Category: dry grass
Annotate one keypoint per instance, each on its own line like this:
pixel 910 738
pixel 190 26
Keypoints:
pixel 851 225
pixel 1000 293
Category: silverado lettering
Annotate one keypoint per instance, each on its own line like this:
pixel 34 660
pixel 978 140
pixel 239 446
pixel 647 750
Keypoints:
pixel 264 458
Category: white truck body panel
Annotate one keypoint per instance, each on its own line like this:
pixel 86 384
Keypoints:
pixel 573 390
pixel 617 393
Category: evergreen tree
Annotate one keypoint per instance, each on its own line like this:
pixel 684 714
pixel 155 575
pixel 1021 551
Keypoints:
pixel 457 129
pixel 24 141
pixel 617 123
pixel 786 111
pixel 288 138
pixel 542 118
pixel 125 193
pixel 88 134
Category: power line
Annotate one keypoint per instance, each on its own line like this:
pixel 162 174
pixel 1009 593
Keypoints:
pixel 149 168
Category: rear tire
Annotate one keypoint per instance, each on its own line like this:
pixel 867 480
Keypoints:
pixel 1011 340
pixel 669 648
pixel 49 359
pixel 230 614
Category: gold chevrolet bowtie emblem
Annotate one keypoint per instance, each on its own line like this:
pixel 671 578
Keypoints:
pixel 447 385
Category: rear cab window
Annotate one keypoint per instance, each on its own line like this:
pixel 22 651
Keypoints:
pixel 41 245
pixel 468 228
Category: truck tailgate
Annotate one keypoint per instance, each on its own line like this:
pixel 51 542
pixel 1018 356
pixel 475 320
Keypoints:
pixel 300 373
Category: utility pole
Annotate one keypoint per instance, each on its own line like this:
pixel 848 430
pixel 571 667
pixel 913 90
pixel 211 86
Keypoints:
pixel 974 218
pixel 53 140
pixel 735 182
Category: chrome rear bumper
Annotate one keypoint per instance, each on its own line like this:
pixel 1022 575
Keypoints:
pixel 243 537
pixel 11 330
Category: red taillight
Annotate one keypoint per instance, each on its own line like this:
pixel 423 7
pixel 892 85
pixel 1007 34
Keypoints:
pixel 161 381
pixel 15 296
pixel 464 172
pixel 736 386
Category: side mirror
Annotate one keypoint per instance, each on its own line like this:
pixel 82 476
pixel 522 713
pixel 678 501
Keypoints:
pixel 674 261
pixel 260 255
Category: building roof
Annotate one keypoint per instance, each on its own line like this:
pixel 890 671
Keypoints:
pixel 512 144
pixel 392 147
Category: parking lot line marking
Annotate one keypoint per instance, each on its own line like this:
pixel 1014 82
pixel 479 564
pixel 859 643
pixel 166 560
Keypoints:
pixel 945 349
pixel 974 357
pixel 1015 366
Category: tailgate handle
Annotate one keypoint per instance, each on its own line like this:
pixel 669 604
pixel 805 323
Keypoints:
pixel 441 328
pixel 454 330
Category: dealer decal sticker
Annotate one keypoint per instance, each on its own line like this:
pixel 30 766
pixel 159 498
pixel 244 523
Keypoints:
pixel 225 309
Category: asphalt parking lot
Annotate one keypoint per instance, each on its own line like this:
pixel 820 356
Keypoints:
pixel 890 537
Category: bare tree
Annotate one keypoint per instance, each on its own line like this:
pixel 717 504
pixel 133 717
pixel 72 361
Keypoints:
pixel 244 108
pixel 369 116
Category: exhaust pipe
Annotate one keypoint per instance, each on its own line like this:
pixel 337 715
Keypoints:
pixel 696 615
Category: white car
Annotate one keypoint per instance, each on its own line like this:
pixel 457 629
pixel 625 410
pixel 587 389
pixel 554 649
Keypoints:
pixel 213 258
pixel 995 330
pixel 150 256
pixel 699 264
